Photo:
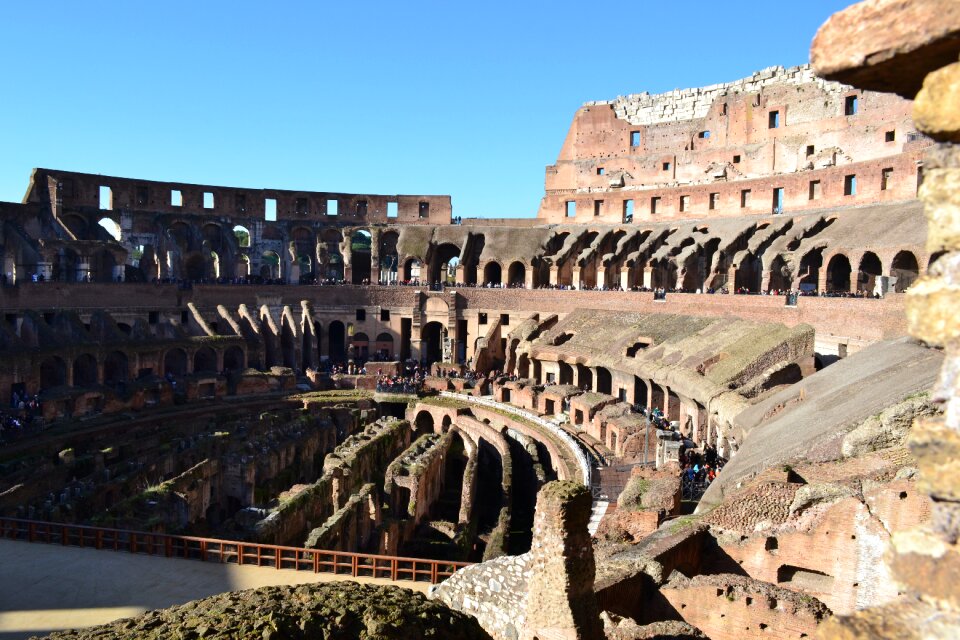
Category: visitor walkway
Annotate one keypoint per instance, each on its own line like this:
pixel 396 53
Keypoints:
pixel 58 576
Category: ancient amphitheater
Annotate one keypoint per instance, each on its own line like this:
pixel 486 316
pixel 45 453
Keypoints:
pixel 698 395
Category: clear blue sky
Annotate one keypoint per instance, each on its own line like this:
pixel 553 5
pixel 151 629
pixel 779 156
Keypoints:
pixel 471 100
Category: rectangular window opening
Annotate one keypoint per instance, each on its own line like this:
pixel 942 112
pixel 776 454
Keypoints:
pixel 814 189
pixel 778 200
pixel 850 185
pixel 714 200
pixel 704 135
pixel 424 210
pixel 655 204
pixel 384 315
pixel 773 121
pixel 301 206
pixel 392 209
pixel 634 138
pixel 723 111
pixel 744 198
pixel 850 106
pixel 601 171
pixel 597 207
pixel 270 209
pixel 810 150
pixel 666 166
pixel 143 196
pixel 106 198
pixel 504 318
pixel 207 200
pixel 176 198
pixel 628 210
pixel 571 206
pixel 886 176
pixel 241 201
pixel 332 207
pixel 890 136
pixel 481 318
pixel 361 315
pixel 736 159
pixel 361 207
pixel 684 203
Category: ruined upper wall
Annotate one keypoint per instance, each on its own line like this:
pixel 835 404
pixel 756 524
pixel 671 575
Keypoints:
pixel 68 189
pixel 779 140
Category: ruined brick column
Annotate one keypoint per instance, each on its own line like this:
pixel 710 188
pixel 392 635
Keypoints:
pixel 561 604
pixel 891 45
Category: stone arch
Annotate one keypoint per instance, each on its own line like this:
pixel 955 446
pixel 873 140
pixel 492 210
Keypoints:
pixel 566 373
pixel 242 268
pixel 584 377
pixel 869 270
pixel 270 265
pixel 412 269
pixel 361 345
pixel 234 359
pixel 810 265
pixel 110 226
pixel 242 234
pixel 389 259
pixel 116 369
pixel 329 255
pixel 838 273
pixel 906 269
pixel 384 346
pixel 423 424
pixel 77 225
pixel 175 362
pixel 102 263
pixel 205 360
pixel 749 273
pixel 360 252
pixel 53 373
pixel 431 342
pixel 444 256
pixel 604 381
pixel 516 274
pixel 779 274
pixel 492 273
pixel 85 370
pixel 337 341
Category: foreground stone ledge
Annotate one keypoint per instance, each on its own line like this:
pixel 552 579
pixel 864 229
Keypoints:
pixel 940 194
pixel 923 563
pixel 887 45
pixel 932 311
pixel 936 111
pixel 936 447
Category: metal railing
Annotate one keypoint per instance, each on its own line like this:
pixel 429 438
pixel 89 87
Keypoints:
pixel 565 437
pixel 356 565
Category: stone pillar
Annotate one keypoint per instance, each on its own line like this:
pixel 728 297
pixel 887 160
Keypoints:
pixel 731 279
pixel 648 277
pixel 765 281
pixel 560 602
pixel 625 278
pixel 601 277
pixel 528 277
pixel 554 274
pixel 575 278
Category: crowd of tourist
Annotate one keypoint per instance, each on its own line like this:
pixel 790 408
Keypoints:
pixel 25 414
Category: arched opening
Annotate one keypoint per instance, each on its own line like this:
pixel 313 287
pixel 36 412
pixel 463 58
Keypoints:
pixel 65 266
pixel 112 229
pixel 566 373
pixel 270 265
pixel 584 377
pixel 779 275
pixel 288 348
pixel 148 264
pixel 663 274
pixel 305 264
pixel 384 347
pixel 360 244
pixel 870 269
pixel 523 366
pixel 431 342
pixel 53 373
pixel 673 405
pixel 411 270
pixel 361 346
pixel 205 360
pixel 175 362
pixel 516 274
pixel 116 369
pixel 445 260
pixel 749 274
pixel 193 267
pixel 389 261
pixel 329 257
pixel 492 273
pixel 102 265
pixel 640 392
pixel 423 424
pixel 604 381
pixel 838 273
pixel 810 270
pixel 233 359
pixel 84 370
pixel 242 234
pixel 905 269
pixel 243 266
pixel 337 341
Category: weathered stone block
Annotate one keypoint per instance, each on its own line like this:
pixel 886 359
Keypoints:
pixel 937 449
pixel 936 110
pixel 940 194
pixel 931 311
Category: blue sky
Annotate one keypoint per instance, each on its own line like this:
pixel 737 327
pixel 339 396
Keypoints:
pixel 471 100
